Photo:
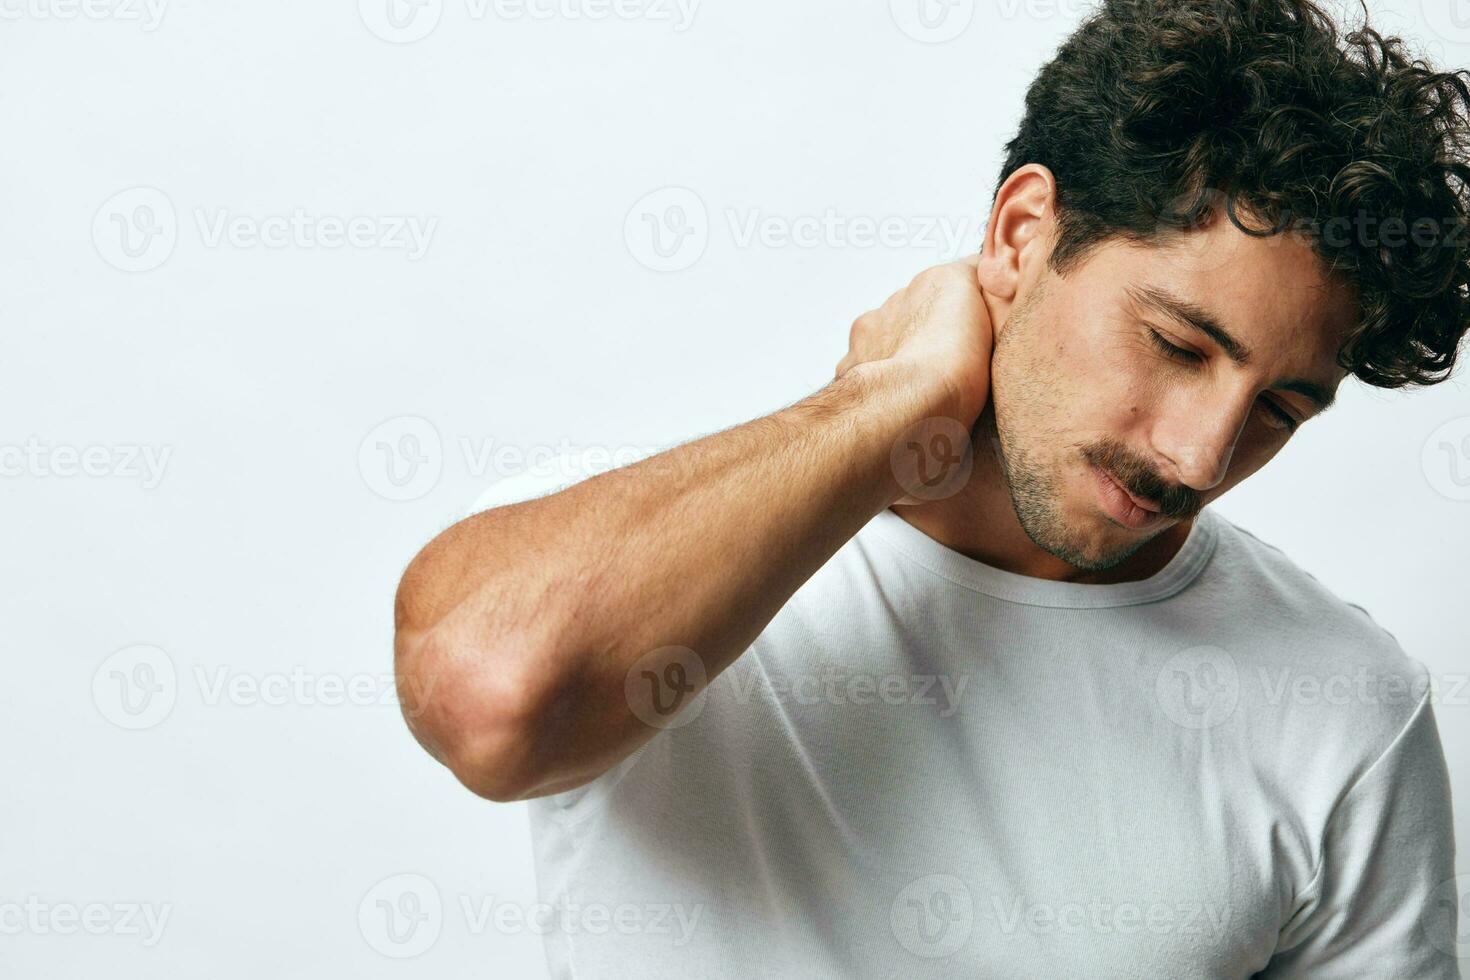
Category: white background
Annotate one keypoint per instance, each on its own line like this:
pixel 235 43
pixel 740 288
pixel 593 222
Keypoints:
pixel 262 817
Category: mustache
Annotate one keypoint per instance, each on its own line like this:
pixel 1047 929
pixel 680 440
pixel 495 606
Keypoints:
pixel 1133 472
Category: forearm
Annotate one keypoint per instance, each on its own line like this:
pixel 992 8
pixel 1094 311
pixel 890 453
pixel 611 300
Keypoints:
pixel 518 626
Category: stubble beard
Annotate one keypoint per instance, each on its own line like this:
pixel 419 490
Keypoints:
pixel 1014 423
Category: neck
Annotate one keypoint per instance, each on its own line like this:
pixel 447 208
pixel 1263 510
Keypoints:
pixel 980 522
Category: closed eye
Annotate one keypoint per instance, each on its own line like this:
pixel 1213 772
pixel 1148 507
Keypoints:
pixel 1284 419
pixel 1279 417
pixel 1173 351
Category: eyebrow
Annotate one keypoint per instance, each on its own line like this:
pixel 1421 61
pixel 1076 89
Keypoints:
pixel 1198 318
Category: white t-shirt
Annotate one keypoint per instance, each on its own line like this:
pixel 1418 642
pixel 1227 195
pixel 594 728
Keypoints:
pixel 929 767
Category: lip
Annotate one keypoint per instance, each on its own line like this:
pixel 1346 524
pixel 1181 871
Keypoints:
pixel 1122 506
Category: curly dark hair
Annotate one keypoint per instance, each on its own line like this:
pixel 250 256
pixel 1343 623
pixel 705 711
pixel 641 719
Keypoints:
pixel 1154 104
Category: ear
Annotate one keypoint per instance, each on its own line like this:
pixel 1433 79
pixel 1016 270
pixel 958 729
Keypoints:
pixel 1018 238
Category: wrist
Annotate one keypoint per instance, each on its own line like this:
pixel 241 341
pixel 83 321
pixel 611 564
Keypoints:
pixel 913 392
pixel 912 423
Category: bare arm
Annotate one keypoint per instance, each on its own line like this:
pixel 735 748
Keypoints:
pixel 517 628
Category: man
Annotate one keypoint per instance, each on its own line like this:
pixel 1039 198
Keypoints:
pixel 948 669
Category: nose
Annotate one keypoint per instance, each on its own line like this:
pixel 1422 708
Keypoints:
pixel 1199 435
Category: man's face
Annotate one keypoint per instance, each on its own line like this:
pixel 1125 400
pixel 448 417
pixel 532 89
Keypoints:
pixel 1119 413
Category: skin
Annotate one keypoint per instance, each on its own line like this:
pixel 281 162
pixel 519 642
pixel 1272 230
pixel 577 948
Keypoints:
pixel 522 633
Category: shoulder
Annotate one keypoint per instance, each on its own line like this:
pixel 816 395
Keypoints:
pixel 1318 664
pixel 1277 583
pixel 1287 600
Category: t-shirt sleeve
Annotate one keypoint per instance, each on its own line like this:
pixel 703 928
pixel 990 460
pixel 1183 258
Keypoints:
pixel 1385 900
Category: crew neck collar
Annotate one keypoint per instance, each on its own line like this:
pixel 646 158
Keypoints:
pixel 1182 569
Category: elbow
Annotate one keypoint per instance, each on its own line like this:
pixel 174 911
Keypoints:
pixel 473 712
pixel 492 765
